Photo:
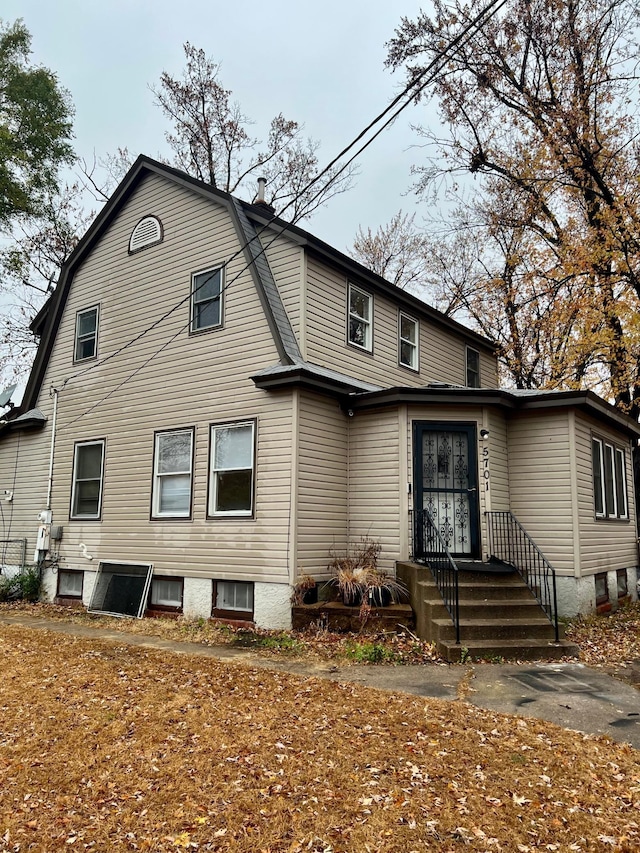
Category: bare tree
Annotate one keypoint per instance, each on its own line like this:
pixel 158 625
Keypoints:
pixel 539 107
pixel 30 265
pixel 212 140
pixel 397 251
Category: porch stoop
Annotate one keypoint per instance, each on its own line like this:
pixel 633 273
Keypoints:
pixel 499 616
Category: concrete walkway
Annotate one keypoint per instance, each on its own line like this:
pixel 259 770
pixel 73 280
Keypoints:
pixel 568 694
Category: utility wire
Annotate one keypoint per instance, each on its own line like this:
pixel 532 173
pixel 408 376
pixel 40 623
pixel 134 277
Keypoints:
pixel 486 12
pixel 419 84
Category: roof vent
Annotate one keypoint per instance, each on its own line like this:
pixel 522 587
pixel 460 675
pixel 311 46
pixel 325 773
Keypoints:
pixel 147 232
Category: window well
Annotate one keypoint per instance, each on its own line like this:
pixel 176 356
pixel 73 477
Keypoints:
pixel 121 589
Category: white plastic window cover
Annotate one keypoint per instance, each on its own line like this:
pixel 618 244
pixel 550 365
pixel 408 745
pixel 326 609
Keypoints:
pixel 166 592
pixel 147 232
pixel 121 589
pixel 70 583
pixel 234 595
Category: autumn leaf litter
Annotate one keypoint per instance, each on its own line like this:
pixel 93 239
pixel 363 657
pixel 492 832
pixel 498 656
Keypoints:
pixel 109 747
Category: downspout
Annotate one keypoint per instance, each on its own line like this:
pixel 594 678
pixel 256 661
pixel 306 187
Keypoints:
pixel 53 443
pixel 44 531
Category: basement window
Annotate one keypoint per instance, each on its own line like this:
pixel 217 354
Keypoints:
pixel 622 583
pixel 233 600
pixel 121 589
pixel 602 589
pixel 70 584
pixel 166 593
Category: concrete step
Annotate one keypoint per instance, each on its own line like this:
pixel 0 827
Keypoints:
pixel 490 630
pixel 499 608
pixel 468 592
pixel 490 579
pixel 499 616
pixel 507 650
pixel 495 567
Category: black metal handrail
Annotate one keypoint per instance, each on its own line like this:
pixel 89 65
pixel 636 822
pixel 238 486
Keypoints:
pixel 511 543
pixel 429 546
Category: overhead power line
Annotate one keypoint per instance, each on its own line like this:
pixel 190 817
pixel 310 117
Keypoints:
pixel 406 97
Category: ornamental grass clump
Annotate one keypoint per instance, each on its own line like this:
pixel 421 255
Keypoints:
pixel 351 571
pixel 359 579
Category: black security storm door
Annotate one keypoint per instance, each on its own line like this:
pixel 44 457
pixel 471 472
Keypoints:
pixel 446 485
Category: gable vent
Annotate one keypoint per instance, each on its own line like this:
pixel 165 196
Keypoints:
pixel 147 232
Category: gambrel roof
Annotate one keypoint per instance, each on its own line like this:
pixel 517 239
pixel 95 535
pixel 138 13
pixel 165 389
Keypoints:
pixel 247 218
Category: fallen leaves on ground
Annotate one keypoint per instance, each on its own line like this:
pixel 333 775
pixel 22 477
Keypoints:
pixel 394 647
pixel 110 747
pixel 611 640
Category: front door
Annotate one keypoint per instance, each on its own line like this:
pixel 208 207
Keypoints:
pixel 446 483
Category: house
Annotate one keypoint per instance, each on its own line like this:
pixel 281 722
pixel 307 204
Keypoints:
pixel 220 400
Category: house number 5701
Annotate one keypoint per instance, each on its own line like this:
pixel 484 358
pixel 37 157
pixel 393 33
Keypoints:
pixel 485 468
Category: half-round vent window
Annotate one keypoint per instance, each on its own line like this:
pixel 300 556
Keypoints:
pixel 147 232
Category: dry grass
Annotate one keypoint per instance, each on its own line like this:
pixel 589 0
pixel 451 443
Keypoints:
pixel 400 647
pixel 106 747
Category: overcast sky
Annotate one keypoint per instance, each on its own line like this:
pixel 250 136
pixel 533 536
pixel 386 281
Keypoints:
pixel 321 64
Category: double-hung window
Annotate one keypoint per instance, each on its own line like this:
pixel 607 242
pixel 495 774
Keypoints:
pixel 232 469
pixel 472 368
pixel 88 470
pixel 206 300
pixel 408 336
pixel 609 480
pixel 172 474
pixel 359 321
pixel 86 345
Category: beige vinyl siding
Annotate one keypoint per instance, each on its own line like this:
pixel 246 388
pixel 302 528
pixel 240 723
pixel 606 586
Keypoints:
pixel 374 482
pixel 540 483
pixel 182 381
pixel 322 483
pixel 605 544
pixel 24 471
pixel 497 446
pixel 488 370
pixel 442 353
pixel 453 415
pixel 286 261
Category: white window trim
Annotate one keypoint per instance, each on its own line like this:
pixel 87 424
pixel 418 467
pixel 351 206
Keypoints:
pixel 416 345
pixel 615 452
pixel 213 480
pixel 157 477
pixel 77 337
pixel 467 350
pixel 368 347
pixel 75 480
pixel 194 301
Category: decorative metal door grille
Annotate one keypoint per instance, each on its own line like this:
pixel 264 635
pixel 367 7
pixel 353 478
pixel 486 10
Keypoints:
pixel 446 488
